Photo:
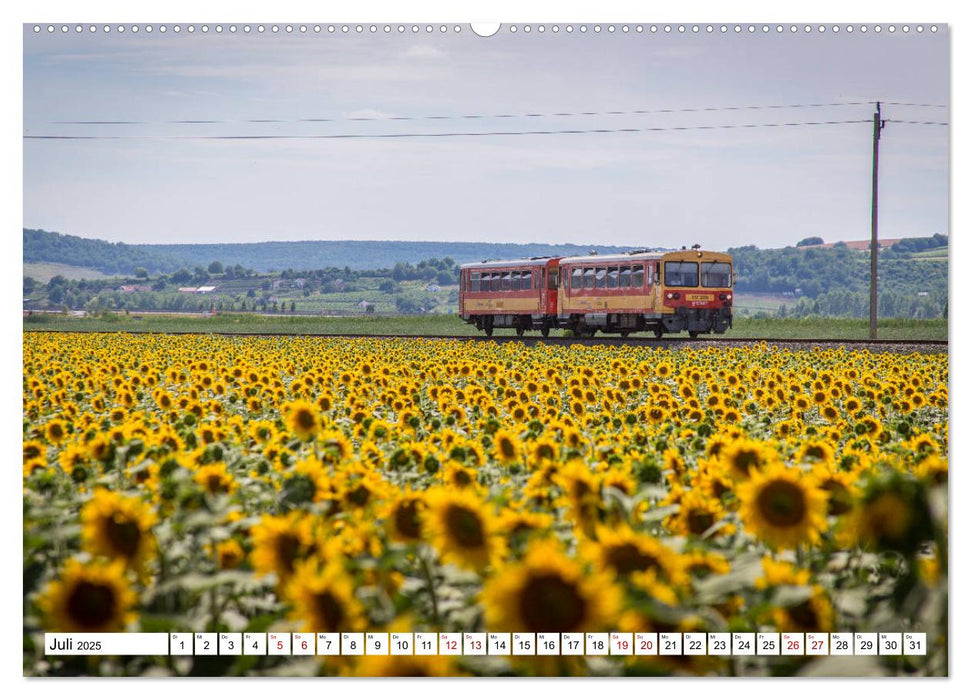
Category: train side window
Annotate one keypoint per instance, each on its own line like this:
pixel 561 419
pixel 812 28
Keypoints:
pixel 527 282
pixel 588 273
pixel 613 275
pixel 474 279
pixel 492 284
pixel 624 280
pixel 601 278
pixel 554 278
pixel 637 276
pixel 577 277
pixel 516 279
pixel 506 282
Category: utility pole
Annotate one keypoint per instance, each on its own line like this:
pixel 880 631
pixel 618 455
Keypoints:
pixel 878 125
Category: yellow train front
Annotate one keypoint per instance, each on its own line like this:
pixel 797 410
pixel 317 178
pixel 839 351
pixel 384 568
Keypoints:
pixel 685 290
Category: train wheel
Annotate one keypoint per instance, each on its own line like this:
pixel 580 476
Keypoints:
pixel 520 330
pixel 624 334
pixel 658 332
pixel 545 330
pixel 487 327
pixel 692 334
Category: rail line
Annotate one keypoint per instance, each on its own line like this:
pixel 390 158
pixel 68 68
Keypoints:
pixel 553 340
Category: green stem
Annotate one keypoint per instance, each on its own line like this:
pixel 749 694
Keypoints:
pixel 429 579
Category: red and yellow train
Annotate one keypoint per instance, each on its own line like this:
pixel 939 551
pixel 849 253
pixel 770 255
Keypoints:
pixel 659 292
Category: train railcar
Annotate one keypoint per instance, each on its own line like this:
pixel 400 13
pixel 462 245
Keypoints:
pixel 685 290
pixel 519 294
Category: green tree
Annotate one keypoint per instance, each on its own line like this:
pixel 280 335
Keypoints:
pixel 141 273
pixel 216 267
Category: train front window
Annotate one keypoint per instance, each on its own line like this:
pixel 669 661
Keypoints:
pixel 681 274
pixel 554 277
pixel 716 274
pixel 637 276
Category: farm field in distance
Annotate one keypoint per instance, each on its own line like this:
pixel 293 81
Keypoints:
pixel 213 483
pixel 442 324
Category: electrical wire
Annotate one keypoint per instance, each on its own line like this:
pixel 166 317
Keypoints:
pixel 443 134
pixel 527 115
pixel 910 121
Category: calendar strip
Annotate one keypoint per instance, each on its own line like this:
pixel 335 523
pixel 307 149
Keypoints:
pixel 740 644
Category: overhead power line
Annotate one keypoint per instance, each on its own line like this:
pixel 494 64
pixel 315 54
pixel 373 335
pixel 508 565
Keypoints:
pixel 910 121
pixel 526 115
pixel 440 134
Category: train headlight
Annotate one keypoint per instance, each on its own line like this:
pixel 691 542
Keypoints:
pixel 669 295
pixel 728 297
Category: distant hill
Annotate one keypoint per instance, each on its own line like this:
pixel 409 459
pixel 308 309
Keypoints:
pixel 120 258
pixel 359 255
pixel 111 258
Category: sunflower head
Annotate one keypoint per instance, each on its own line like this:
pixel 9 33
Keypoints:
pixel 506 447
pixel 302 419
pixel 743 457
pixel 93 597
pixel 323 598
pixel 214 479
pixel 550 592
pixel 625 552
pixel 403 517
pixel 118 527
pixel 280 542
pixel 463 529
pixel 894 514
pixel 783 507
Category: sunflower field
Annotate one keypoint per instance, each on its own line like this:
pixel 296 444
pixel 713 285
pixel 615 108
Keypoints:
pixel 199 483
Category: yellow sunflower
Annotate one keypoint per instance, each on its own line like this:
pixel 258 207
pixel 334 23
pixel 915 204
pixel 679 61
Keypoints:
pixel 118 527
pixel 302 419
pixel 279 542
pixel 814 614
pixel 506 447
pixel 783 507
pixel 624 552
pixel 462 529
pixel 697 514
pixel 403 517
pixel 323 598
pixel 549 592
pixel 95 597
pixel 215 479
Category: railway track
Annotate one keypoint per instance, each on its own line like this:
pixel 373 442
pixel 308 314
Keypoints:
pixel 680 341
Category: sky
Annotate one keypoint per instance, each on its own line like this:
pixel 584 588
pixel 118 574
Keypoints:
pixel 667 184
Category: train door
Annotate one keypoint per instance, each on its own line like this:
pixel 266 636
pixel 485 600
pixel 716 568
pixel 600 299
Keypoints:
pixel 552 287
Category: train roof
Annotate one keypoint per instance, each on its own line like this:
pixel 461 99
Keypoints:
pixel 523 262
pixel 619 258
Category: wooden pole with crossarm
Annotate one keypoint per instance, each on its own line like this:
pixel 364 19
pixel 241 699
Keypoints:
pixel 878 125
